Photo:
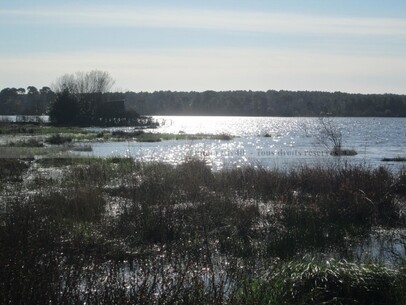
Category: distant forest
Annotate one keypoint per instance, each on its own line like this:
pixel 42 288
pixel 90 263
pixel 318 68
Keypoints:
pixel 32 101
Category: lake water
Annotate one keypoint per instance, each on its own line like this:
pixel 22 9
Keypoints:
pixel 290 142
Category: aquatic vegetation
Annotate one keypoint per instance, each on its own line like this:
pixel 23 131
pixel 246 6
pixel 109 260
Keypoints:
pixel 157 137
pixel 12 168
pixel 331 137
pixel 114 231
pixel 31 142
pixel 395 159
pixel 343 152
pixel 126 134
pixel 223 136
pixel 331 282
pixel 58 139
pixel 27 129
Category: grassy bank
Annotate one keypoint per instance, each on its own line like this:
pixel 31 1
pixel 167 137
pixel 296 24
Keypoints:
pixel 115 231
pixel 34 135
pixel 27 129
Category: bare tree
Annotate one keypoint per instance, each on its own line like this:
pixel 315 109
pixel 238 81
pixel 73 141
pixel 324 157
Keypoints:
pixel 84 82
pixel 85 90
pixel 331 137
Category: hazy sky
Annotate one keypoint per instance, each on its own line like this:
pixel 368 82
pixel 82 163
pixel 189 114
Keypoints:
pixel 328 45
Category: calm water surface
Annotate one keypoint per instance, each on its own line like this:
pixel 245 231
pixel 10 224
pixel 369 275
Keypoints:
pixel 290 142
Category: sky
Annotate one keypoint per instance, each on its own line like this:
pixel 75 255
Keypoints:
pixel 356 46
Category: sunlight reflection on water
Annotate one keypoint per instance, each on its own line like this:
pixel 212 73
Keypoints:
pixel 267 142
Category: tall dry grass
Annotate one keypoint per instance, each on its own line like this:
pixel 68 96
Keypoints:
pixel 115 231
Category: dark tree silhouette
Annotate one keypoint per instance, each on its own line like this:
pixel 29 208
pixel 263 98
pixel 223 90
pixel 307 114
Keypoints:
pixel 64 110
pixel 87 89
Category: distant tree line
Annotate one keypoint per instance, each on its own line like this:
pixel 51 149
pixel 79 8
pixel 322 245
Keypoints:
pixel 30 101
pixel 240 103
pixel 269 103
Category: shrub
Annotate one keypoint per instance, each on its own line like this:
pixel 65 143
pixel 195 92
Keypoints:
pixel 12 169
pixel 57 139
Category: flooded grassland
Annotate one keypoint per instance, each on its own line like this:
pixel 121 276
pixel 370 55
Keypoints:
pixel 117 229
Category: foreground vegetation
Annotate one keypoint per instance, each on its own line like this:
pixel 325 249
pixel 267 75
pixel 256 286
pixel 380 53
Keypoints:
pixel 115 231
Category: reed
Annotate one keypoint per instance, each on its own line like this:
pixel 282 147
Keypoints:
pixel 115 231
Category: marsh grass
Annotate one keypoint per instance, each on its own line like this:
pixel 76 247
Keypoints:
pixel 157 137
pixel 395 159
pixel 61 135
pixel 58 139
pixel 12 169
pixel 186 235
pixel 127 134
pixel 82 148
pixel 335 282
pixel 343 152
pixel 28 129
pixel 80 161
pixel 31 142
pixel 30 153
pixel 141 136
